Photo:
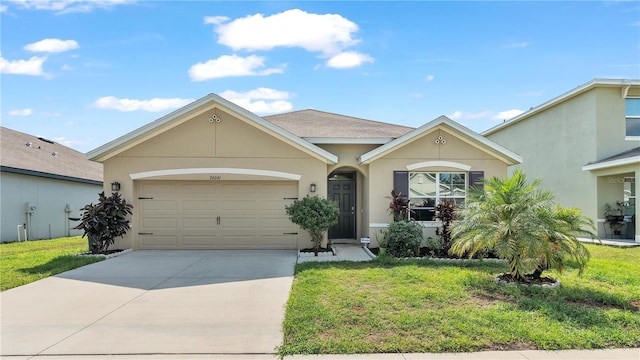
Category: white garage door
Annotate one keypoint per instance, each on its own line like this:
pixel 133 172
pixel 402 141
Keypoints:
pixel 215 215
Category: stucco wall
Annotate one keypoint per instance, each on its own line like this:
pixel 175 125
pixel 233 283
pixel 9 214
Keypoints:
pixel 50 198
pixel 421 150
pixel 198 143
pixel 557 142
pixel 554 145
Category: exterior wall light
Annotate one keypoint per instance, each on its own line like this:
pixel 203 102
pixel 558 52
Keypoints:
pixel 115 186
pixel 312 187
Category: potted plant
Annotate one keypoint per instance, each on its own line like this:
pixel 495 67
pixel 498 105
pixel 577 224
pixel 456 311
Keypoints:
pixel 613 213
pixel 315 215
pixel 382 243
pixel 105 221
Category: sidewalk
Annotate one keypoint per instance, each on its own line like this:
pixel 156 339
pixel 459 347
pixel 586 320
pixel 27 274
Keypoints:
pixel 610 354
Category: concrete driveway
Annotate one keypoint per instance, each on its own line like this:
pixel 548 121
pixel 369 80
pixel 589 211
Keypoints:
pixel 153 302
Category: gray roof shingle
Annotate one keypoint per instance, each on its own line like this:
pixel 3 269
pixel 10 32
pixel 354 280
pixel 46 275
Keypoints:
pixel 45 157
pixel 319 124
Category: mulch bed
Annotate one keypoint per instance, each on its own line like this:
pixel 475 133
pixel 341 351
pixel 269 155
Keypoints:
pixel 528 280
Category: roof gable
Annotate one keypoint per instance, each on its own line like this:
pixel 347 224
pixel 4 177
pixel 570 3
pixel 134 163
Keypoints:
pixel 28 154
pixel 463 133
pixel 200 106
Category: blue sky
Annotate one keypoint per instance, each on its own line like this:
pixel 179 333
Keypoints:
pixel 86 72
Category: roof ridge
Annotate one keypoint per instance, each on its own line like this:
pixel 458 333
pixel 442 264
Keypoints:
pixel 342 115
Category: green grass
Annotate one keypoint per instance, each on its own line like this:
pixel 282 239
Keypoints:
pixel 25 262
pixel 429 306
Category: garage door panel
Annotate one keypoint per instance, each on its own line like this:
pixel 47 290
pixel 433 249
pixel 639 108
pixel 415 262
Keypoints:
pixel 159 205
pixel 203 215
pixel 199 205
pixel 158 241
pixel 159 223
pixel 198 223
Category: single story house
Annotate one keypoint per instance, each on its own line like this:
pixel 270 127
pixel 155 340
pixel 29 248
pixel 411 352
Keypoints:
pixel 585 145
pixel 213 175
pixel 42 185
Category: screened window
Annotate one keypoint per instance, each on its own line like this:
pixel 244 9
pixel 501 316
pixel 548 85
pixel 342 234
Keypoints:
pixel 426 189
pixel 633 116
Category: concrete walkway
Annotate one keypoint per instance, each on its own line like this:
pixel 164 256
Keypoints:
pixel 344 252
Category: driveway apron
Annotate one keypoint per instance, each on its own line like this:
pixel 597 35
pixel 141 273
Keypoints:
pixel 153 302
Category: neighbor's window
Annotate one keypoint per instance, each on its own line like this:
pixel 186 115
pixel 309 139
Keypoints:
pixel 426 189
pixel 633 116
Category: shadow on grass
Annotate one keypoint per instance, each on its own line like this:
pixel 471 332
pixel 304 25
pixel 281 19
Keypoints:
pixel 61 264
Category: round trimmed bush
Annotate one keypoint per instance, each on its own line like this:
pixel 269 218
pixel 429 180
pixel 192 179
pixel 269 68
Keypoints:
pixel 403 238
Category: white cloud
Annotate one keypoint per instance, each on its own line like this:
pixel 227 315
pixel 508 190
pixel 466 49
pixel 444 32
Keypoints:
pixel 231 65
pixel 460 115
pixel 20 112
pixel 52 46
pixel 429 78
pixel 508 114
pixel 33 66
pixel 69 6
pixel 66 67
pixel 261 101
pixel 153 105
pixel 522 44
pixel 328 34
pixel 348 59
pixel 3 8
pixel 416 95
pixel 215 20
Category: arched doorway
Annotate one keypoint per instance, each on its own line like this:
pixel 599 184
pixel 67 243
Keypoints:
pixel 342 189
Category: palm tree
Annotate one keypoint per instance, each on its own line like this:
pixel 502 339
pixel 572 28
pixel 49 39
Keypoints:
pixel 521 224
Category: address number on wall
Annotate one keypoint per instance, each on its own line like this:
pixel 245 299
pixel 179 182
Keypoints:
pixel 215 177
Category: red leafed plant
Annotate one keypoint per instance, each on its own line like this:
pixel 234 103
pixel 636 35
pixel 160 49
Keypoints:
pixel 399 206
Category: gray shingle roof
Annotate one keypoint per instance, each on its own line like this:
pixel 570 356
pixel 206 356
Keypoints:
pixel 45 157
pixel 623 155
pixel 319 124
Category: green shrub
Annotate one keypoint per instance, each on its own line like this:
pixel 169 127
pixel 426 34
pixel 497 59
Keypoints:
pixel 403 238
pixel 315 215
pixel 433 246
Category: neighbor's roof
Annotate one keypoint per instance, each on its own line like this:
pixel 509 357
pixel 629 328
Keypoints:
pixel 624 158
pixel 27 154
pixel 625 84
pixel 321 127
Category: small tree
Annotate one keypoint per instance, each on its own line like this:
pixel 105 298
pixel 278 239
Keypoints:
pixel 446 213
pixel 521 223
pixel 315 215
pixel 105 221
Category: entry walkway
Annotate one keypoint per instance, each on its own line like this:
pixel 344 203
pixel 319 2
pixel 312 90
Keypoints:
pixel 344 252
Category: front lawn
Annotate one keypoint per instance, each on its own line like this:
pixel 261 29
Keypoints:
pixel 28 261
pixel 429 306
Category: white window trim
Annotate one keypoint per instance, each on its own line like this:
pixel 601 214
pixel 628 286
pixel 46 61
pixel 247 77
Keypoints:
pixel 628 137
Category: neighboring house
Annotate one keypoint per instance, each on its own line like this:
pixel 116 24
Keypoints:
pixel 213 175
pixel 585 145
pixel 42 184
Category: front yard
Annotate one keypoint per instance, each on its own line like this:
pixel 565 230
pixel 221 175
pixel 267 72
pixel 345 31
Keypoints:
pixel 429 306
pixel 28 261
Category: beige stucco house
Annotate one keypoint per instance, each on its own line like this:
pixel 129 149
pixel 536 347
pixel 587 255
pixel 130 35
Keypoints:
pixel 585 144
pixel 213 175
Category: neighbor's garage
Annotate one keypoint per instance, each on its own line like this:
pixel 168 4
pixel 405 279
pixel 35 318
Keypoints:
pixel 215 215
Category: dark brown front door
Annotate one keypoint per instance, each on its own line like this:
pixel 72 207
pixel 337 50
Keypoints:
pixel 342 189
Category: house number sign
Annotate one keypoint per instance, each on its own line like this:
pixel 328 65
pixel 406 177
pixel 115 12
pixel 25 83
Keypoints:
pixel 215 177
